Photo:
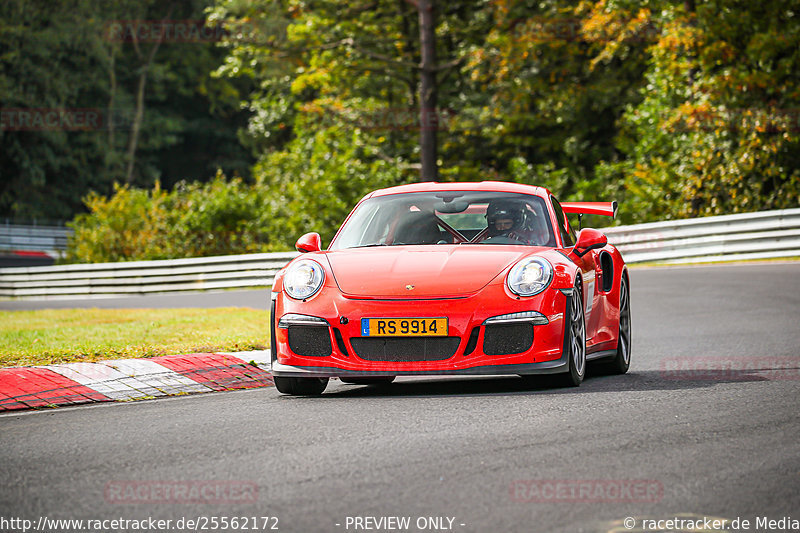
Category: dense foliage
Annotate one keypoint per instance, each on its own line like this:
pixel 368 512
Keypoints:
pixel 217 218
pixel 69 57
pixel 674 108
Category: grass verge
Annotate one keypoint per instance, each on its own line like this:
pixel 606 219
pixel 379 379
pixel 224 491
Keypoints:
pixel 80 335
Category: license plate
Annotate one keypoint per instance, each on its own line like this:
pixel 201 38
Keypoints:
pixel 404 327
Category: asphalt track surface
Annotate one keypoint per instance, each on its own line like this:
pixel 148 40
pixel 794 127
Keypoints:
pixel 718 443
pixel 257 299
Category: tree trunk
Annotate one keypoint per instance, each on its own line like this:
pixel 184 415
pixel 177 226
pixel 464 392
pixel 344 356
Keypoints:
pixel 112 74
pixel 136 126
pixel 139 114
pixel 428 118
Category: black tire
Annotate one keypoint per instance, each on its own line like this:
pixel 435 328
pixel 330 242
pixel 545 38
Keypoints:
pixel 380 380
pixel 622 360
pixel 300 386
pixel 576 340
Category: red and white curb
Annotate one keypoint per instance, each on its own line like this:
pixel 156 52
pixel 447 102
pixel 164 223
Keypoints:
pixel 131 379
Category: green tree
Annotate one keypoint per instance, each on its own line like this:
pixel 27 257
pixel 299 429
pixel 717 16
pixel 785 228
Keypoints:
pixel 717 129
pixel 339 79
pixel 162 113
pixel 551 81
pixel 49 59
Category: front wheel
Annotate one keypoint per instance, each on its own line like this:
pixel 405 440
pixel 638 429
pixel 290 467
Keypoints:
pixel 576 339
pixel 300 386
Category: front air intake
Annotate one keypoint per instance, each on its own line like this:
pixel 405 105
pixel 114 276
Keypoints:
pixel 405 349
pixel 506 339
pixel 310 341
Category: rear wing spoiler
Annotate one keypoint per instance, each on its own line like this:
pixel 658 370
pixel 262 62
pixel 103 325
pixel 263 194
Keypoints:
pixel 608 209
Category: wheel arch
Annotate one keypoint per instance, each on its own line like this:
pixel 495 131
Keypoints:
pixel 577 279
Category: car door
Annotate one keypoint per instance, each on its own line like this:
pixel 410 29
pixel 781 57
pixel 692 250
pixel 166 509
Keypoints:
pixel 589 265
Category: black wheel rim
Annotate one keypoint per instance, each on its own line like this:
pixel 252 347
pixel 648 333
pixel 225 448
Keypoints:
pixel 578 334
pixel 624 322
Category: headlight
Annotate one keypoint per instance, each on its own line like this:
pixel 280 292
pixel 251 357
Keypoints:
pixel 530 276
pixel 303 279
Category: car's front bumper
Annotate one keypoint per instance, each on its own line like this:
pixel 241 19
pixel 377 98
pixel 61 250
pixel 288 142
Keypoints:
pixel 342 316
pixel 545 367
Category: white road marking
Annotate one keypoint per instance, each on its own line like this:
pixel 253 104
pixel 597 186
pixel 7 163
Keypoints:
pixel 128 379
pixel 158 377
pixel 259 357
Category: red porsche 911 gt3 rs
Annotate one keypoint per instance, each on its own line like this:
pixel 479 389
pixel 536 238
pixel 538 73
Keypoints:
pixel 451 278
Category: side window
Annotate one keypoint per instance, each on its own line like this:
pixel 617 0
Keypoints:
pixel 567 234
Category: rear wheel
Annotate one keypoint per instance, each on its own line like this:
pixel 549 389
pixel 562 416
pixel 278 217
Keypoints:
pixel 380 380
pixel 300 386
pixel 622 360
pixel 576 340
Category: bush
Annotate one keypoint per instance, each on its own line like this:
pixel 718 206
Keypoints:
pixel 310 186
pixel 194 220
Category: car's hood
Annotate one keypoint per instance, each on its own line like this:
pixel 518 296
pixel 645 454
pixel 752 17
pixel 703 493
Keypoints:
pixel 420 271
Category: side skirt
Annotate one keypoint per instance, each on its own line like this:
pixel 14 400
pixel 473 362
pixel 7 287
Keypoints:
pixel 600 355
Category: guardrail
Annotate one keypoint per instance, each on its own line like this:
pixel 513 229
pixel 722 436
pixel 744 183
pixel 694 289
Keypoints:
pixel 768 234
pixel 143 277
pixel 762 235
pixel 51 240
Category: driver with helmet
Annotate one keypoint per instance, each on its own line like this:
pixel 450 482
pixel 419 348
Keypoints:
pixel 507 218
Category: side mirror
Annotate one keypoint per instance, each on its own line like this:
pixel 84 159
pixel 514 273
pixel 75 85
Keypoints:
pixel 589 239
pixel 310 242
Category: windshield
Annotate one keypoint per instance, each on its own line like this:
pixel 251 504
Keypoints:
pixel 448 217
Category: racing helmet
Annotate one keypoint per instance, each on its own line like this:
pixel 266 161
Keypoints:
pixel 504 209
